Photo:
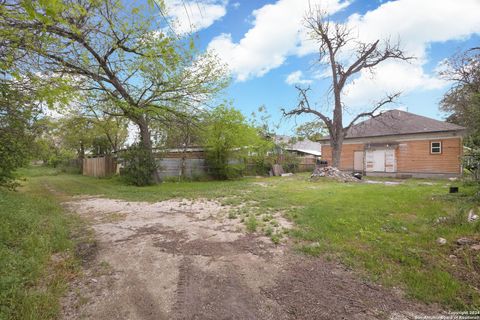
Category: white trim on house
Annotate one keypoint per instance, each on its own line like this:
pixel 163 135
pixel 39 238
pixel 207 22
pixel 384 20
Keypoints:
pixel 312 152
pixel 402 137
pixel 439 147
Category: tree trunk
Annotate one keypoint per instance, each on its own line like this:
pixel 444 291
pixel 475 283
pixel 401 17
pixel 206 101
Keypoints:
pixel 336 140
pixel 81 152
pixel 183 165
pixel 146 142
pixel 336 153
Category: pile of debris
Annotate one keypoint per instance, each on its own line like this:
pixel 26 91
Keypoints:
pixel 333 173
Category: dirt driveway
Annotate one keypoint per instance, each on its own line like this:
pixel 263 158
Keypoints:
pixel 179 259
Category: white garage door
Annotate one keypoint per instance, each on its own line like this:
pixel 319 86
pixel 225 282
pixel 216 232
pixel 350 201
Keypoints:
pixel 380 160
pixel 375 160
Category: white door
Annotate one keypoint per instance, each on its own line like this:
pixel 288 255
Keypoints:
pixel 358 161
pixel 375 160
pixel 390 163
pixel 379 160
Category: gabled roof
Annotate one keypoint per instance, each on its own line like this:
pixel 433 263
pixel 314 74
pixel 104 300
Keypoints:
pixel 396 122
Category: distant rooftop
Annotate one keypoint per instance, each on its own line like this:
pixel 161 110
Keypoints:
pixel 305 146
pixel 395 122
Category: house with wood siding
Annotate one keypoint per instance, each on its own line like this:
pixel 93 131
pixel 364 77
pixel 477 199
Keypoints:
pixel 401 144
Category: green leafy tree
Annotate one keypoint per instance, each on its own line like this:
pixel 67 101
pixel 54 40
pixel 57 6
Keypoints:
pixel 111 134
pixel 49 145
pixel 312 130
pixel 462 101
pixel 230 140
pixel 58 141
pixel 117 52
pixel 16 113
pixel 76 133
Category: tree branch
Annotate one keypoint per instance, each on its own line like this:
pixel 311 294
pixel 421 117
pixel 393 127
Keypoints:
pixel 388 99
pixel 304 107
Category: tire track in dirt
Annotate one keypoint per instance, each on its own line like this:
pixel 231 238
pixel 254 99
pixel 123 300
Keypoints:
pixel 184 271
pixel 155 261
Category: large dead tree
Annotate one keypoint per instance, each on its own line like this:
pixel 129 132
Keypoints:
pixel 335 42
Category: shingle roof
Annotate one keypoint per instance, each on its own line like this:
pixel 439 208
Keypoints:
pixel 395 122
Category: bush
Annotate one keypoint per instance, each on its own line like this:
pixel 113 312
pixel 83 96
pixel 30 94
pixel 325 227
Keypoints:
pixel 290 162
pixel 471 164
pixel 230 140
pixel 13 154
pixel 139 165
pixel 222 170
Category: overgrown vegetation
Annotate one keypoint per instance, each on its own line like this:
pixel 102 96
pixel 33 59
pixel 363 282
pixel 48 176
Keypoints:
pixel 36 258
pixel 462 102
pixel 229 141
pixel 388 233
pixel 139 165
pixel 118 55
pixel 17 109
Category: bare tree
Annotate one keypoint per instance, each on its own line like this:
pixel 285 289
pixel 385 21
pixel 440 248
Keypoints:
pixel 333 40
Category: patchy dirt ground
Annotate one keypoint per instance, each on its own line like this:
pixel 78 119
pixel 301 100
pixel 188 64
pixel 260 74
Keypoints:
pixel 180 259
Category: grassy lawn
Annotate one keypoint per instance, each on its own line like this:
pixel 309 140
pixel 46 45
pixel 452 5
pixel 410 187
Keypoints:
pixel 35 263
pixel 385 232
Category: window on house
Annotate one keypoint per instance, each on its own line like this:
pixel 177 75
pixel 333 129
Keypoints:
pixel 435 147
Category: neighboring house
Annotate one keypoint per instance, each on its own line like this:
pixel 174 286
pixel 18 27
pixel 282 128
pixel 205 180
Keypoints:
pixel 401 144
pixel 307 153
pixel 299 147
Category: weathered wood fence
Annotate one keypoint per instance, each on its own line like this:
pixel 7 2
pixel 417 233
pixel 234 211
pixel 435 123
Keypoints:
pixel 306 163
pixel 99 167
pixel 300 164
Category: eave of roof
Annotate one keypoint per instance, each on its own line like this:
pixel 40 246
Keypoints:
pixel 314 152
pixel 398 123
pixel 327 138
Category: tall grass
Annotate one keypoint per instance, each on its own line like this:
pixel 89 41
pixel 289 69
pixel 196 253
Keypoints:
pixel 35 259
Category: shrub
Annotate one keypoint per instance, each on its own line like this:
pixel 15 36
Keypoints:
pixel 139 165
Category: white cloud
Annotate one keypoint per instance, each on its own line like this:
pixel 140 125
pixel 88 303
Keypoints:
pixel 416 24
pixel 236 5
pixel 390 77
pixel 275 34
pixel 194 15
pixel 296 78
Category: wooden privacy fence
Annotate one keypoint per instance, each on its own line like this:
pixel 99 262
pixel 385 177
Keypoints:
pixel 99 167
pixel 307 163
pixel 301 164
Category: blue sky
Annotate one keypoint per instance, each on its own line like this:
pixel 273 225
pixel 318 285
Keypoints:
pixel 266 48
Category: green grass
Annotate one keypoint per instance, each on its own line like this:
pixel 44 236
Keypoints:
pixel 32 229
pixel 385 233
pixel 251 223
pixel 116 188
